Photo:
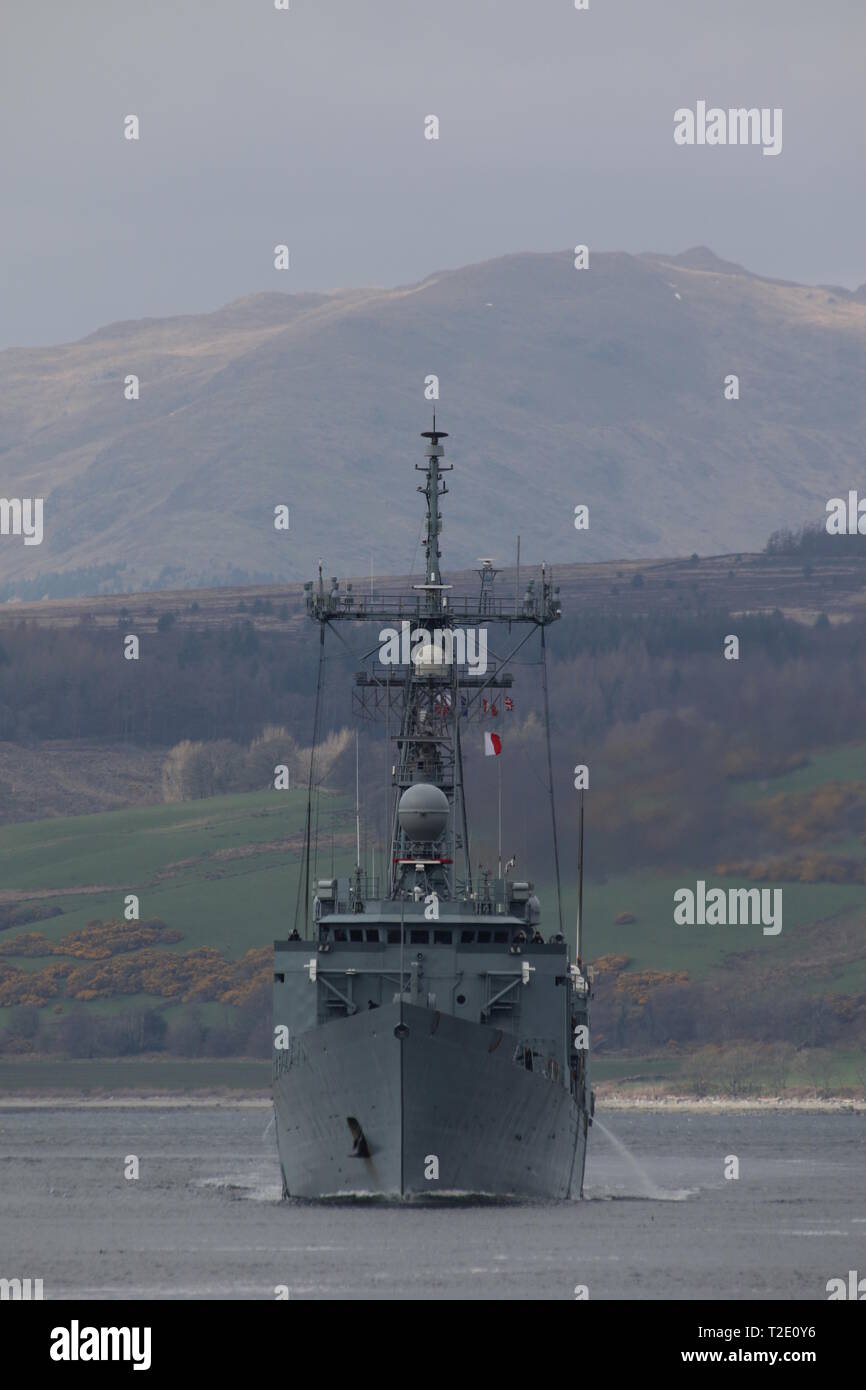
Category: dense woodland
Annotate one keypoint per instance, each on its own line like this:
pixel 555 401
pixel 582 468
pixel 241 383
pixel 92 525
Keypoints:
pixel 813 540
pixel 229 684
pixel 651 705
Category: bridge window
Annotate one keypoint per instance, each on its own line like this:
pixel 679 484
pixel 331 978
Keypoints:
pixel 372 934
pixel 484 936
pixel 356 935
pixel 467 936
pixel 442 938
pixel 418 937
pixel 393 937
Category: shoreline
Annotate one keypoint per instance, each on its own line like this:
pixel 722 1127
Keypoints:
pixel 133 1100
pixel 605 1102
pixel 614 1100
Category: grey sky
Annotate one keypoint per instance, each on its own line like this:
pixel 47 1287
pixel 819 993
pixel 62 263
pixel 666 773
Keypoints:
pixel 306 127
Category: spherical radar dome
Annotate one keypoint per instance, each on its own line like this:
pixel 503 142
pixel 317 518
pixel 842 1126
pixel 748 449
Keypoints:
pixel 431 659
pixel 423 811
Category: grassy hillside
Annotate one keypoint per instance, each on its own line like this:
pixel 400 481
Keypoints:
pixel 223 872
pixel 822 945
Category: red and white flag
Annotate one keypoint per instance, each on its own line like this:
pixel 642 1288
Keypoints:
pixel 492 745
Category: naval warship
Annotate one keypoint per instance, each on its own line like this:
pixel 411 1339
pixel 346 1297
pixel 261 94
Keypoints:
pixel 431 1032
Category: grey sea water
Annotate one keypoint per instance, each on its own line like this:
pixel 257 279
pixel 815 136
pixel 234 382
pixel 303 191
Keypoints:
pixel 204 1219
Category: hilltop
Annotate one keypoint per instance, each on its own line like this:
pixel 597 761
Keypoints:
pixel 602 386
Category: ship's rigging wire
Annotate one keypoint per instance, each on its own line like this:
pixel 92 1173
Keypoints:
pixel 316 833
pixel 350 649
pixel 316 716
pixel 467 860
pixel 473 699
pixel 318 781
pixel 387 869
pixel 356 659
pixel 550 778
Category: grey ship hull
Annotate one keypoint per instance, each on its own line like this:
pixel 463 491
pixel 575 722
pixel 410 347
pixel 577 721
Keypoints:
pixel 448 1090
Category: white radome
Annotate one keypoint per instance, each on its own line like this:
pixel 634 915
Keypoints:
pixel 430 658
pixel 423 812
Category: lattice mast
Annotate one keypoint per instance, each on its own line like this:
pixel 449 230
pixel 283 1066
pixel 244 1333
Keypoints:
pixel 433 698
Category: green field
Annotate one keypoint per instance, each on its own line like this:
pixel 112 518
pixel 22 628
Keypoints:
pixel 823 1072
pixel 837 1073
pixel 844 764
pixel 182 862
pixel 225 871
pixel 177 859
pixel 654 941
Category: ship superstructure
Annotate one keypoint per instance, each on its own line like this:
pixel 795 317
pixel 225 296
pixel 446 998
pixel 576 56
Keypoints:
pixel 431 1030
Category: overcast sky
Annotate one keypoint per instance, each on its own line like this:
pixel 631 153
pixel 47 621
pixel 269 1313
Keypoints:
pixel 306 127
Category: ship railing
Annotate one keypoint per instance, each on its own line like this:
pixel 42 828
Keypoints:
pixel 385 607
pixel 327 905
pixel 495 898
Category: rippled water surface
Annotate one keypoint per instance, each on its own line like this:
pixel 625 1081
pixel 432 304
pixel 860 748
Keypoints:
pixel 204 1219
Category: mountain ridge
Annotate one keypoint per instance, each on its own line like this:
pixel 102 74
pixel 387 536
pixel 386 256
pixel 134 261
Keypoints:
pixel 603 386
